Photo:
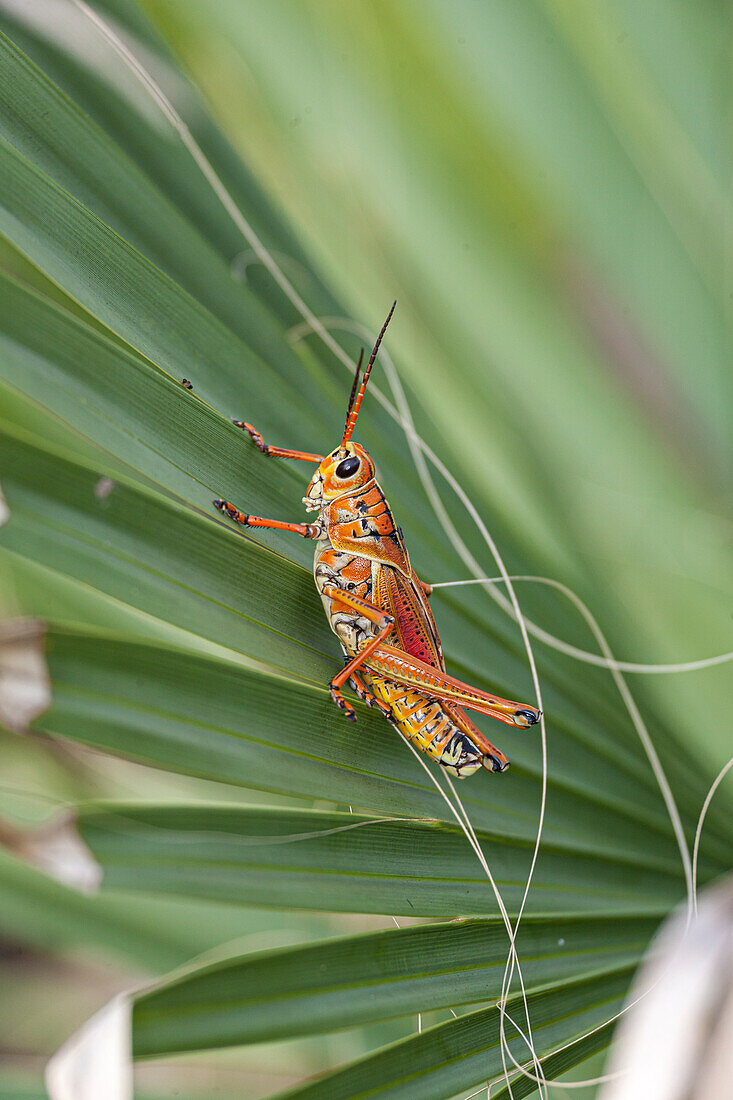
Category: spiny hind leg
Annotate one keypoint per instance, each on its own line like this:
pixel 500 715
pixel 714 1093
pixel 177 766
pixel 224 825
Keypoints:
pixel 393 663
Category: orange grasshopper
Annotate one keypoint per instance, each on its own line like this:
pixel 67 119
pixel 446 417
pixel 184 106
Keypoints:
pixel 378 607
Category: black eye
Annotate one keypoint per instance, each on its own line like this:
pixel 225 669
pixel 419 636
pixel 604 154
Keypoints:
pixel 348 467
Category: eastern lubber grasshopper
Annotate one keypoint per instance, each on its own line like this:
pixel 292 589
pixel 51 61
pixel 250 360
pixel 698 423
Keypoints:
pixel 378 607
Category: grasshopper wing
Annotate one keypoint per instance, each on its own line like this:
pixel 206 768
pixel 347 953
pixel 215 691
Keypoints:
pixel 415 627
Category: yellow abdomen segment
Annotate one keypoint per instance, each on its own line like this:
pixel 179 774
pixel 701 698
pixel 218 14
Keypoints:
pixel 424 722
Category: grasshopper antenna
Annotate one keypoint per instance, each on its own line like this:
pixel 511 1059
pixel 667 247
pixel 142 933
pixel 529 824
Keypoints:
pixel 355 403
pixel 353 389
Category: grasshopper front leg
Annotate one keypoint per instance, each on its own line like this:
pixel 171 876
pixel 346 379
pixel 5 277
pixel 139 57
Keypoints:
pixel 307 530
pixel 276 452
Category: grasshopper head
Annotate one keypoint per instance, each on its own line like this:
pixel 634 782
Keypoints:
pixel 346 470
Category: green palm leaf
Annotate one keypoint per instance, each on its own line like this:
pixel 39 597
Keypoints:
pixel 182 644
pixel 383 866
pixel 345 982
pixel 454 1055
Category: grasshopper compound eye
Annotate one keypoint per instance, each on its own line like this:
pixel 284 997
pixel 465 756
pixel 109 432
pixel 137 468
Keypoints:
pixel 348 467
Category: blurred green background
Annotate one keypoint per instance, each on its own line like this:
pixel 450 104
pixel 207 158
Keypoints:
pixel 544 186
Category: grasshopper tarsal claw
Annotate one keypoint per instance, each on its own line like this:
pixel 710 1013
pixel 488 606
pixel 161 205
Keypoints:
pixel 231 511
pixel 343 704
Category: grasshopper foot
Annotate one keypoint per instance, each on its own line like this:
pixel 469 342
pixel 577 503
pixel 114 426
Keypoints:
pixel 231 511
pixel 253 434
pixel 384 710
pixel 343 705
pixel 527 716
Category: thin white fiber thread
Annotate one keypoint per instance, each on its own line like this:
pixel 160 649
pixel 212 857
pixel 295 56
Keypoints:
pixel 701 821
pixel 613 666
pixel 636 718
pixel 658 771
pixel 471 837
pixel 506 981
pixel 594 658
pixel 479 1092
pixel 566 1046
pixel 417 445
pixel 146 828
pixel 612 1076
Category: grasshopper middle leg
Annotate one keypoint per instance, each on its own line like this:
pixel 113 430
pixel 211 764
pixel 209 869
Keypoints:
pixel 381 619
pixel 366 695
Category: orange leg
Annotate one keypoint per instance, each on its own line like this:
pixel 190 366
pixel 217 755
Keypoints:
pixel 359 688
pixel 276 452
pixel 395 664
pixel 384 621
pixel 307 530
